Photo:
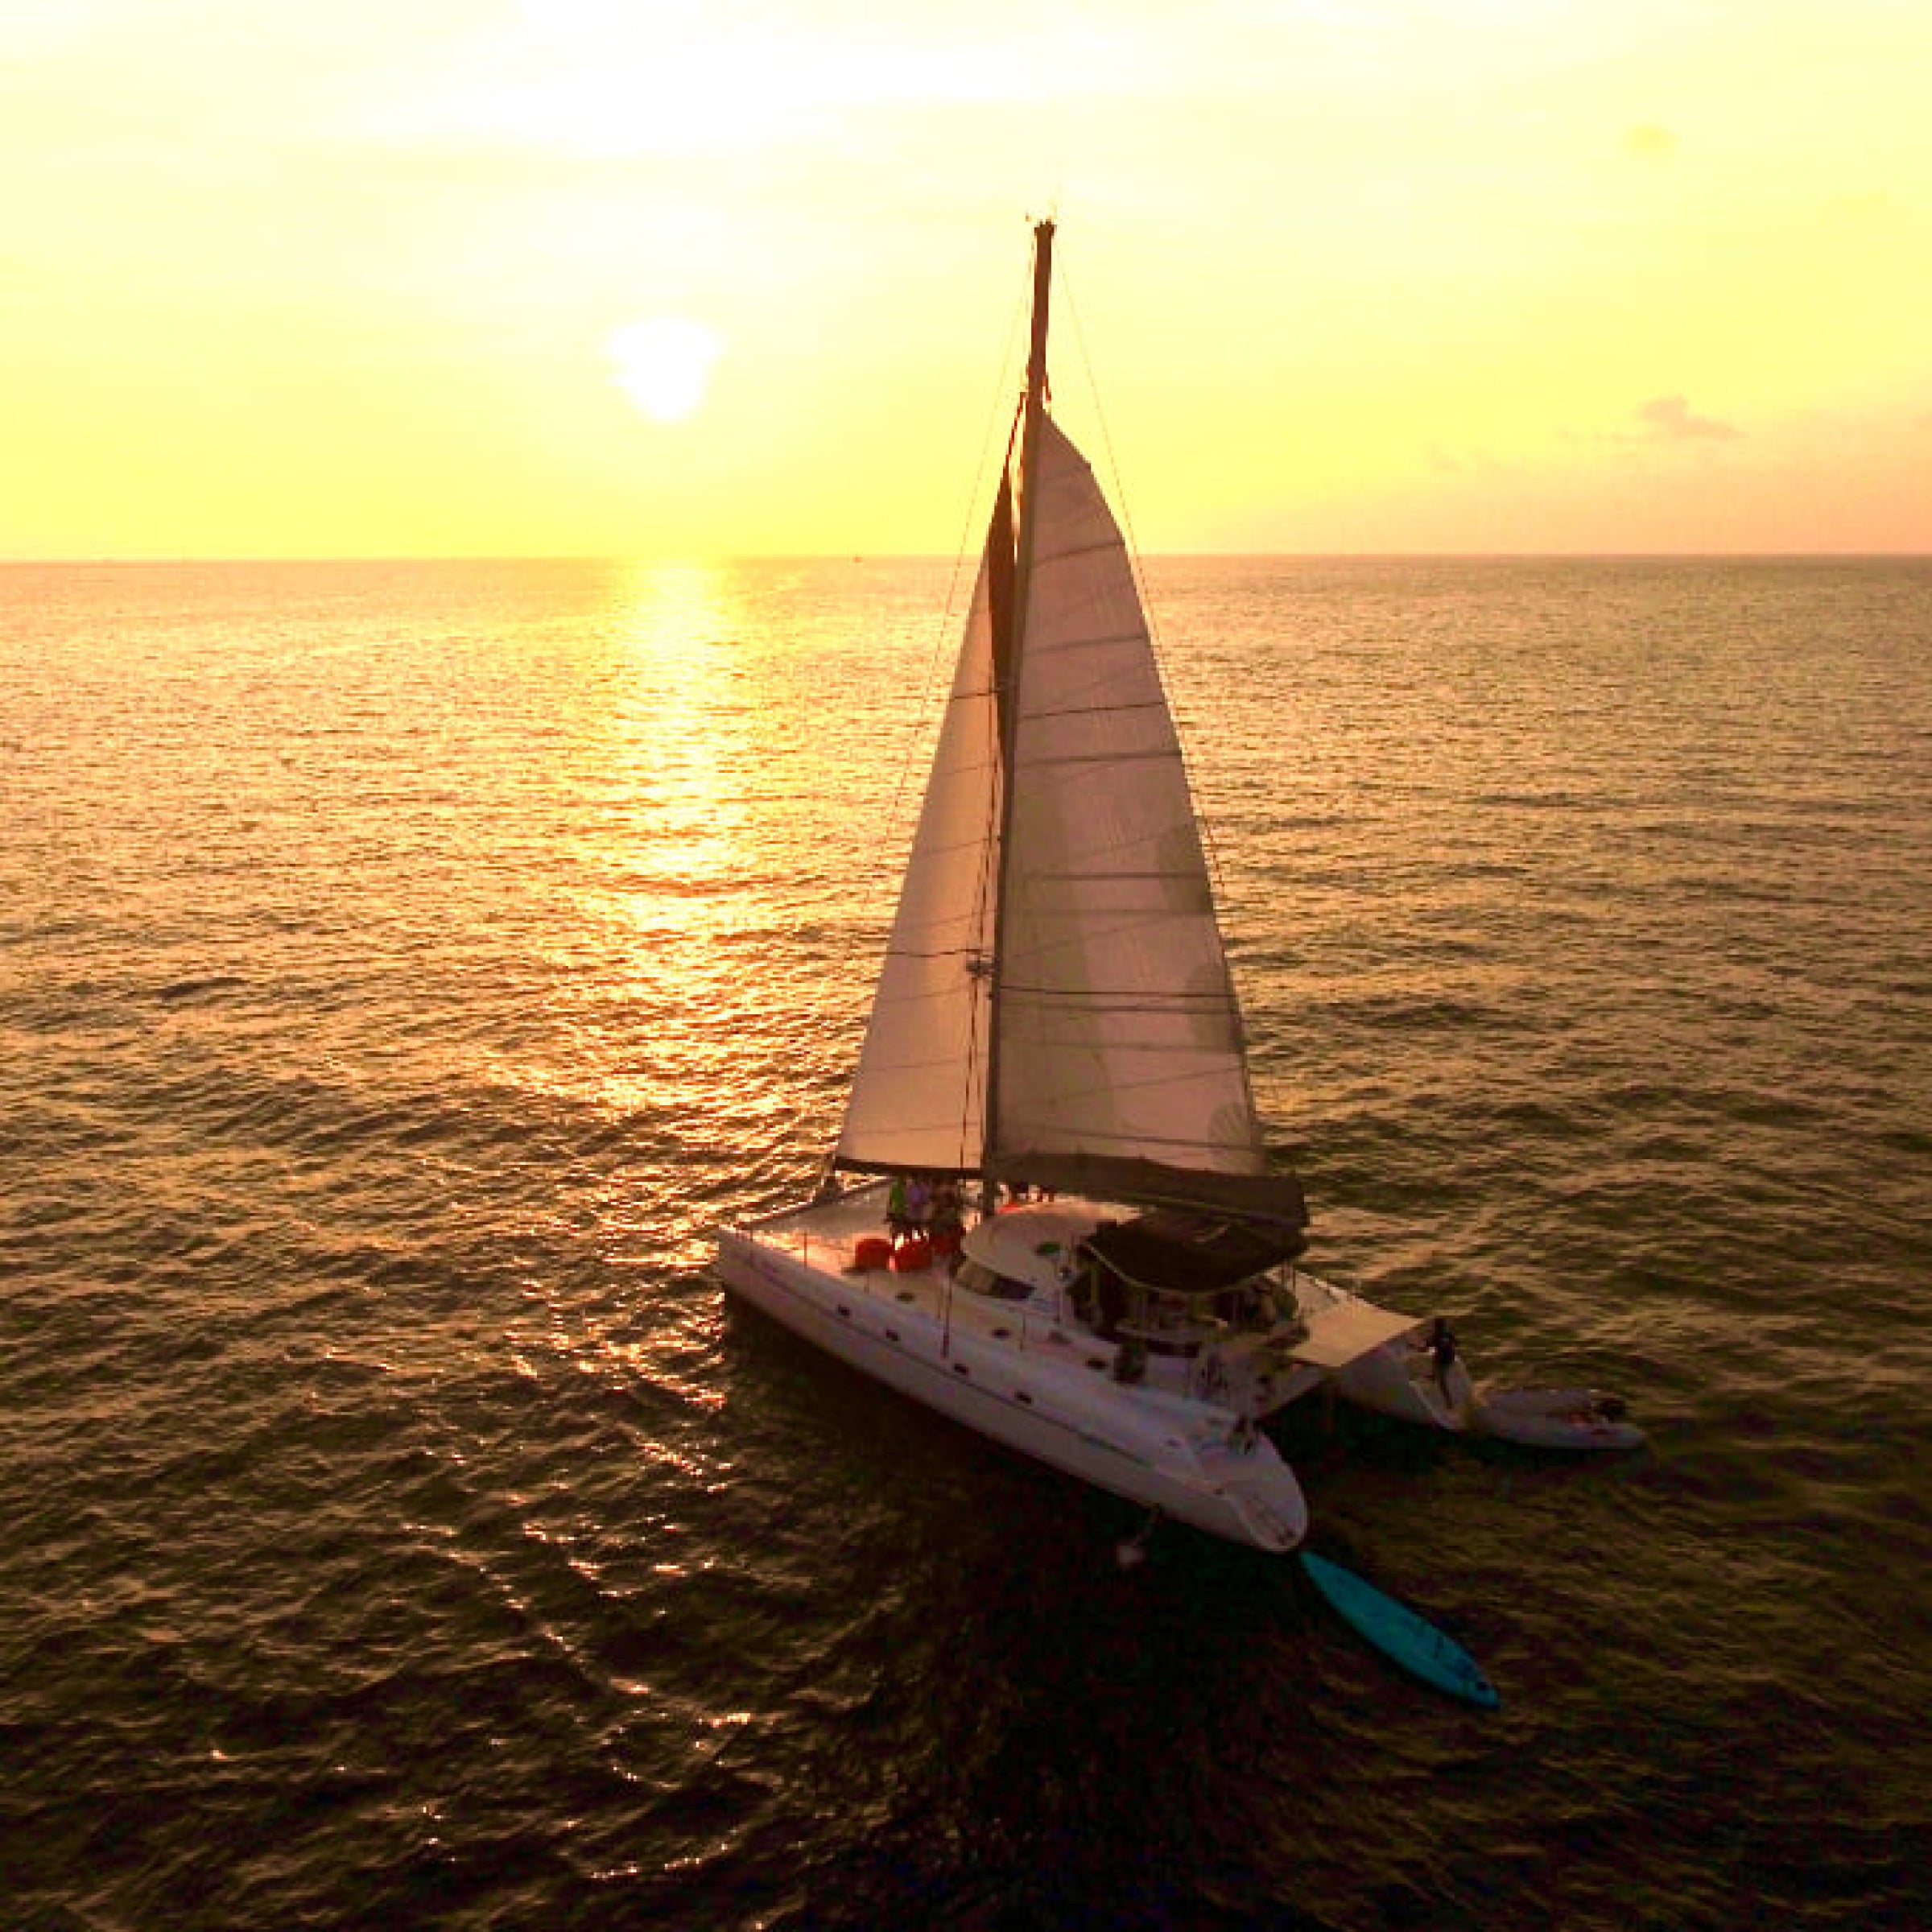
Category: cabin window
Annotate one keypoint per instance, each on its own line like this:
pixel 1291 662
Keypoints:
pixel 981 1280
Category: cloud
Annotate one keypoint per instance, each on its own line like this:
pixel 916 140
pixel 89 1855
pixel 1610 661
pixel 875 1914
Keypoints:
pixel 1649 141
pixel 1671 419
pixel 624 79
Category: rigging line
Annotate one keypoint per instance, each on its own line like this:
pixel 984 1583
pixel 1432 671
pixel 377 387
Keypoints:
pixel 1184 729
pixel 946 625
pixel 973 1096
pixel 979 1041
pixel 1183 725
pixel 1113 468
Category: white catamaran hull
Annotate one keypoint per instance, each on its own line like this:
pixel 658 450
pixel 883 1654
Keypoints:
pixel 1022 1367
pixel 1024 1380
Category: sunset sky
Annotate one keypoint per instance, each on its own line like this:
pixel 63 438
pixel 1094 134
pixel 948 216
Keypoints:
pixel 711 278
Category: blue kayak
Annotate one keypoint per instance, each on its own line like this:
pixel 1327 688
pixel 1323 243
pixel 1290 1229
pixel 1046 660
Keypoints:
pixel 1398 1631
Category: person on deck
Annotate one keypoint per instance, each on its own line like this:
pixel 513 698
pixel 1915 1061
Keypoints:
pixel 948 1211
pixel 918 1204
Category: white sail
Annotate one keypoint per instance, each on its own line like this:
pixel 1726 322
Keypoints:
pixel 917 1098
pixel 1120 1040
pixel 1118 1064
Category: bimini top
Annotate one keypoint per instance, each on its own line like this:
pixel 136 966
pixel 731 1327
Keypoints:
pixel 1183 1253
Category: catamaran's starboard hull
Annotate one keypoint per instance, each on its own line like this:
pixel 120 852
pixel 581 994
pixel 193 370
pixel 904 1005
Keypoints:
pixel 1070 1415
pixel 1400 1380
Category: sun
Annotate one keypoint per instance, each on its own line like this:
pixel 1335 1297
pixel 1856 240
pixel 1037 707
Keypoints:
pixel 664 365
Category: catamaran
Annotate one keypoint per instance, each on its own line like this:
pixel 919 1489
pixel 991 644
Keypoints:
pixel 1067 1233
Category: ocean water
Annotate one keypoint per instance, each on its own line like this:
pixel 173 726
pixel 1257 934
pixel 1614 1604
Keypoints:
pixel 404 967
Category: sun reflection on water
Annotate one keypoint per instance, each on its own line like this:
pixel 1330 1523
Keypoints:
pixel 662 855
pixel 674 745
pixel 697 953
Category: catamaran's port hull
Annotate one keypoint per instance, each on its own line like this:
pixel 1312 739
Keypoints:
pixel 1177 1458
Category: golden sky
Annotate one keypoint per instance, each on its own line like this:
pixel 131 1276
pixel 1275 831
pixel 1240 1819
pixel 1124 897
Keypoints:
pixel 717 278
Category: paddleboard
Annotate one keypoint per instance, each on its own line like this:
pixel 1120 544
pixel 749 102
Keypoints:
pixel 1557 1418
pixel 1398 1632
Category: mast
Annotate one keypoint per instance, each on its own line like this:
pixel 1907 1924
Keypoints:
pixel 1009 654
pixel 1036 358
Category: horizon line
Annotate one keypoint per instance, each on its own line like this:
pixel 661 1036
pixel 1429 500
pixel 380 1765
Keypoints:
pixel 183 559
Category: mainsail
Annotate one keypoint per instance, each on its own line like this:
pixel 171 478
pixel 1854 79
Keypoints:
pixel 1055 1007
